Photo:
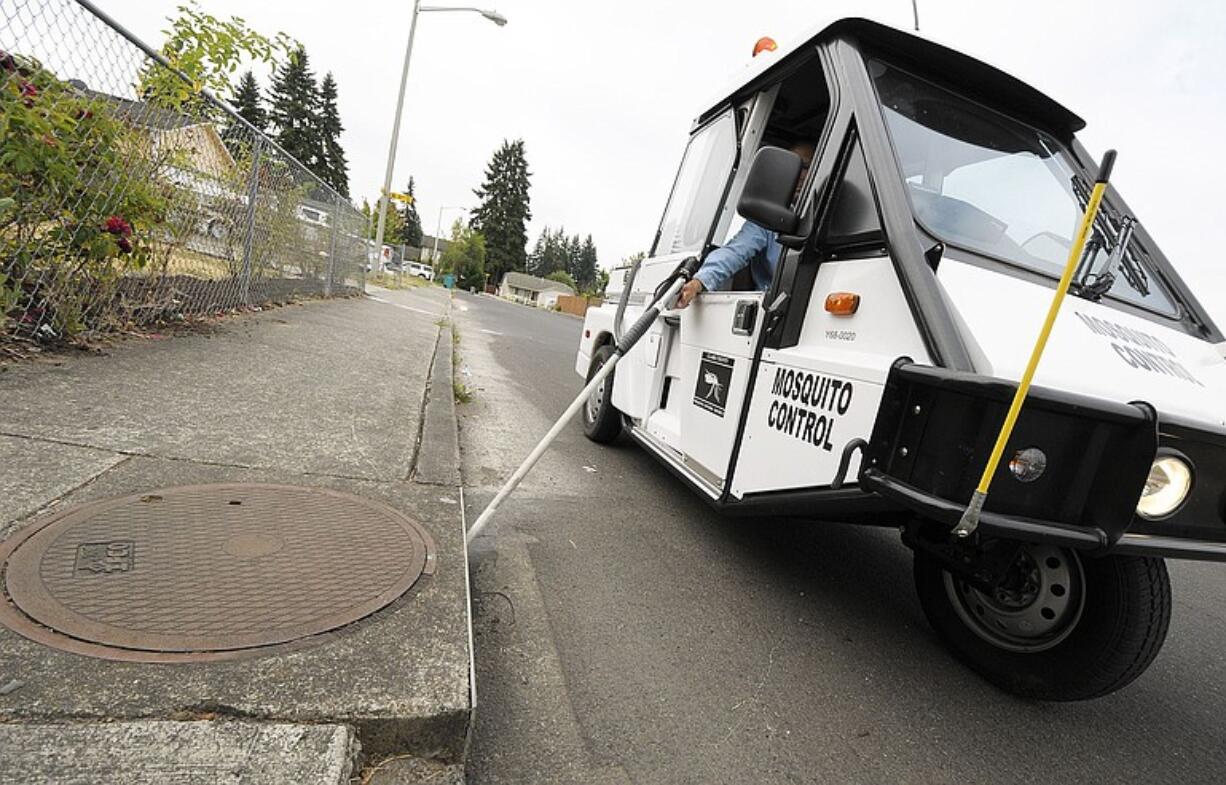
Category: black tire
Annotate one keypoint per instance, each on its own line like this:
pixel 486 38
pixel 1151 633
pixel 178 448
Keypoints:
pixel 601 422
pixel 1119 627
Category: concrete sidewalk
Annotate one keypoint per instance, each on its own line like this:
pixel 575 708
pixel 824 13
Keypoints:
pixel 333 395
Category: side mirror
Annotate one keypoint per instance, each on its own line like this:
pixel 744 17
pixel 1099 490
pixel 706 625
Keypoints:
pixel 769 188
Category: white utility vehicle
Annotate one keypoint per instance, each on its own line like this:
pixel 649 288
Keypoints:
pixel 868 383
pixel 421 270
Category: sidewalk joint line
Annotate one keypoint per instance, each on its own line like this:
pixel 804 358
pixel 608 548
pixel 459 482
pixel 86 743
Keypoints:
pixel 195 461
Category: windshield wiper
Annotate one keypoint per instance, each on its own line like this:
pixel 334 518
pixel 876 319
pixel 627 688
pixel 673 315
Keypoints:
pixel 1132 271
pixel 1093 287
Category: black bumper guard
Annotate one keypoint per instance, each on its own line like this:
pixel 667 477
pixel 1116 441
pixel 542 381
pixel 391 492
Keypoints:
pixel 935 429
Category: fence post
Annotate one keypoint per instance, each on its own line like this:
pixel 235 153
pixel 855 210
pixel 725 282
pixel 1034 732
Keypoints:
pixel 335 221
pixel 252 195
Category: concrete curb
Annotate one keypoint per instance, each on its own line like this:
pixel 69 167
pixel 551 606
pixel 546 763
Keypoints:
pixel 143 751
pixel 438 454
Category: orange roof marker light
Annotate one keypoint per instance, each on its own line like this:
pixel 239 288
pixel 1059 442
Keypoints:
pixel 842 303
pixel 764 44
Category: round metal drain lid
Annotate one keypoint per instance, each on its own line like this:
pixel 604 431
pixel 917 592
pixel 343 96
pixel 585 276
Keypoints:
pixel 207 572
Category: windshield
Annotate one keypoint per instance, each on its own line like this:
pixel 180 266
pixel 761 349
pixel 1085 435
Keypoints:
pixel 982 181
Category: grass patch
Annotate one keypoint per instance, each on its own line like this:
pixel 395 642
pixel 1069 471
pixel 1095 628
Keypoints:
pixel 396 281
pixel 462 393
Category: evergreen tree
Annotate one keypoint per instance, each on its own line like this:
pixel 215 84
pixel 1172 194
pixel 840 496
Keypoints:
pixel 411 234
pixel 537 257
pixel 504 212
pixel 329 163
pixel 292 105
pixel 586 265
pixel 571 248
pixel 249 103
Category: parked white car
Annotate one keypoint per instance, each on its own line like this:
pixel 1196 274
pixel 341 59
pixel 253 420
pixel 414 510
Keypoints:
pixel 422 270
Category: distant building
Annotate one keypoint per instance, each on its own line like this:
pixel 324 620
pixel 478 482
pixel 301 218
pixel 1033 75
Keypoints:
pixel 531 290
pixel 197 163
pixel 426 252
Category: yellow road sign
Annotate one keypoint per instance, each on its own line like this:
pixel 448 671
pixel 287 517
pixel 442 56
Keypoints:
pixel 406 198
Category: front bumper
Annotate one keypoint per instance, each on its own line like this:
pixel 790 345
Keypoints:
pixel 935 429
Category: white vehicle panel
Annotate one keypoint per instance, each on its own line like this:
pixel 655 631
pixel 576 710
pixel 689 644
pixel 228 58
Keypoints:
pixel 636 386
pixel 714 374
pixel 596 322
pixel 810 400
pixel 1094 349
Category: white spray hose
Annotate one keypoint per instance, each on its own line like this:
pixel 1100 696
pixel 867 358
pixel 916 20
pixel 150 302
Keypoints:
pixel 629 339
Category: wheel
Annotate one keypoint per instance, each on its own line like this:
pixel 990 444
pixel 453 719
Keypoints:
pixel 1059 627
pixel 601 422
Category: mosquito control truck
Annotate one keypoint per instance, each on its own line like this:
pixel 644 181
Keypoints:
pixel 918 256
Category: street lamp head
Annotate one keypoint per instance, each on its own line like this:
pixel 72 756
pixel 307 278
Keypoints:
pixel 494 17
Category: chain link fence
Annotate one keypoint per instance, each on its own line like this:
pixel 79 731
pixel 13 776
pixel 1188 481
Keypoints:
pixel 119 209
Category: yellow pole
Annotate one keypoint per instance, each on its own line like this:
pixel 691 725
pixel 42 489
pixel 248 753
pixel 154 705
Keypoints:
pixel 970 518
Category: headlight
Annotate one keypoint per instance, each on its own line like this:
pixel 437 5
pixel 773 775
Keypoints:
pixel 1029 464
pixel 1170 479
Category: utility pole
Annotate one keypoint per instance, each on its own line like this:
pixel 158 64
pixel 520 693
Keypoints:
pixel 494 17
pixel 915 11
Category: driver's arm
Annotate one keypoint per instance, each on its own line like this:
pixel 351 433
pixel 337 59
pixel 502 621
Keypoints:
pixel 722 263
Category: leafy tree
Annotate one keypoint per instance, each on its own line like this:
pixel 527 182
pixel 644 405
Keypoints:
pixel 330 163
pixel 503 213
pixel 208 50
pixel 394 228
pixel 465 256
pixel 293 103
pixel 411 233
pixel 602 283
pixel 249 103
pixel 561 276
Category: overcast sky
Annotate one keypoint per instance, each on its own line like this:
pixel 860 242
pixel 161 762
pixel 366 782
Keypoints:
pixel 603 95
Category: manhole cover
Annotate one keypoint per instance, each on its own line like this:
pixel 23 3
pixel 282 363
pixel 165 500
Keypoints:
pixel 207 572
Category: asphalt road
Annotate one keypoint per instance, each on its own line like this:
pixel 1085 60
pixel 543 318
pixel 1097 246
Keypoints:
pixel 625 633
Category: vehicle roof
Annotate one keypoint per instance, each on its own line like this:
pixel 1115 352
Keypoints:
pixel 974 77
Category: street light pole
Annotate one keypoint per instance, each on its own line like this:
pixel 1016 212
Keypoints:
pixel 391 152
pixel 494 17
pixel 915 11
pixel 438 230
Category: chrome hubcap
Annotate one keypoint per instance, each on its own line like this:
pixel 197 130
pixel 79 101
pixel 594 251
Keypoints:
pixel 594 401
pixel 1035 607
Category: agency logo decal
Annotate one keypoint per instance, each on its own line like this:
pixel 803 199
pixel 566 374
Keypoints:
pixel 714 377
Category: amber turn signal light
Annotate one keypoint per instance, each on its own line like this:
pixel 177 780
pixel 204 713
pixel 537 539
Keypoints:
pixel 764 44
pixel 842 303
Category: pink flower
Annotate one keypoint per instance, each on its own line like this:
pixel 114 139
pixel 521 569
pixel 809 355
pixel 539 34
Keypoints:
pixel 28 91
pixel 117 225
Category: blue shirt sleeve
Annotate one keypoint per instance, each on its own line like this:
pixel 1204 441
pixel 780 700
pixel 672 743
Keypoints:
pixel 722 263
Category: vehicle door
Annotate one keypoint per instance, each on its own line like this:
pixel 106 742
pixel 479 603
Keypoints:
pixel 822 368
pixel 643 384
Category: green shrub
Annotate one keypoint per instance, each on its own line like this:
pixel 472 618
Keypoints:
pixel 82 207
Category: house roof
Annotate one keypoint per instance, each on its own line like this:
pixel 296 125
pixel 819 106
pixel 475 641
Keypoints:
pixel 427 241
pixel 535 284
pixel 139 113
